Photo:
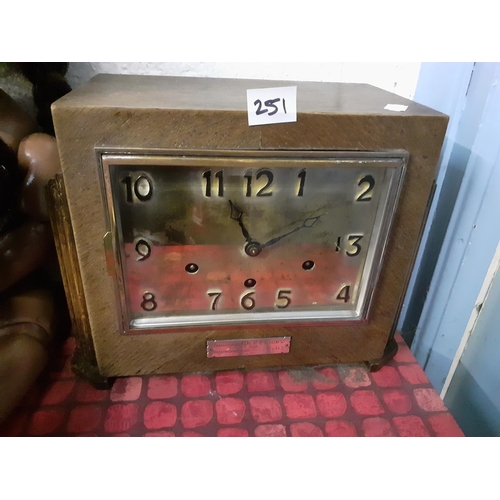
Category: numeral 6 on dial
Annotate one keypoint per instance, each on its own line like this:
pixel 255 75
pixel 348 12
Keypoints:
pixel 247 301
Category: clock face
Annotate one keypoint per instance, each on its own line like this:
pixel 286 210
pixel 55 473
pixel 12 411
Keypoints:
pixel 223 238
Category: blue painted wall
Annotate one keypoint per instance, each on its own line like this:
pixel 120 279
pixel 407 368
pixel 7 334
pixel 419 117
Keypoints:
pixel 474 228
pixel 441 86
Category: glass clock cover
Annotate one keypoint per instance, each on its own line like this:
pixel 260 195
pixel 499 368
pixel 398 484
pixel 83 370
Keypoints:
pixel 237 237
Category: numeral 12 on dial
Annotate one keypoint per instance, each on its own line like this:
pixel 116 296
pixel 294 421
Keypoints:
pixel 266 189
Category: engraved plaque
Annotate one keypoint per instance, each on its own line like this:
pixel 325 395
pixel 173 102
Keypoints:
pixel 248 347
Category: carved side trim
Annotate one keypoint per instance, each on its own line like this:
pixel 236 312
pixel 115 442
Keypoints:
pixel 84 360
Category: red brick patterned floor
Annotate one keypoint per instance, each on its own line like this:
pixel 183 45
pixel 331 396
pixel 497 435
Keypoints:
pixel 341 400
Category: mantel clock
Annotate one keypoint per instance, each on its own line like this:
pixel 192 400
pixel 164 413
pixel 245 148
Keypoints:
pixel 191 241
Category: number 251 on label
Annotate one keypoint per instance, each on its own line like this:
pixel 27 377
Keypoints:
pixel 273 105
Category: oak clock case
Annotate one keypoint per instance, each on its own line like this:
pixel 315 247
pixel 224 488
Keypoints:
pixel 190 242
pixel 248 238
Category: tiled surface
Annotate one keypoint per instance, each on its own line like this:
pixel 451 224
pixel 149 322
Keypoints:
pixel 342 400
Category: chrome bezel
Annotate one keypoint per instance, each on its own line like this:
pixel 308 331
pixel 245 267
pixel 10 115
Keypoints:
pixel 384 159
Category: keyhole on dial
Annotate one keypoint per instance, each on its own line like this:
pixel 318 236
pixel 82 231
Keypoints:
pixel 308 265
pixel 250 283
pixel 192 268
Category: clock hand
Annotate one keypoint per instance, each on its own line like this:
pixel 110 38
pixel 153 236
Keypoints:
pixel 237 214
pixel 309 222
pixel 275 240
pixel 252 248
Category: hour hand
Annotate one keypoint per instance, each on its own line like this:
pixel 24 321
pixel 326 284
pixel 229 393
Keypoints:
pixel 237 214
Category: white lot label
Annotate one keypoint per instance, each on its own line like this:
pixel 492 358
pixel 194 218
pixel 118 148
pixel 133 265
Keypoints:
pixel 396 107
pixel 274 105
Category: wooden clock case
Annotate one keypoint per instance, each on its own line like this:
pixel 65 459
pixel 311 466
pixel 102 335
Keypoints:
pixel 144 113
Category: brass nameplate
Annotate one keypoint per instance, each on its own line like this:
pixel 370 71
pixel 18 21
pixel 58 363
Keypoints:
pixel 248 347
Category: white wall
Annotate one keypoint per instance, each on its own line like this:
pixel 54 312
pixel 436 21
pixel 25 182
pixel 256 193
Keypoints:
pixel 400 78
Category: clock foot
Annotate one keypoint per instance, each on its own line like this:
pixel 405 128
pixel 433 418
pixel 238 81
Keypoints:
pixel 89 372
pixel 390 351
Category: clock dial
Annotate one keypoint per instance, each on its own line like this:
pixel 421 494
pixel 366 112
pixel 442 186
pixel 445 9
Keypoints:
pixel 206 240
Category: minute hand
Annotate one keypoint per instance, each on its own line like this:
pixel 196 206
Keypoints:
pixel 309 222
